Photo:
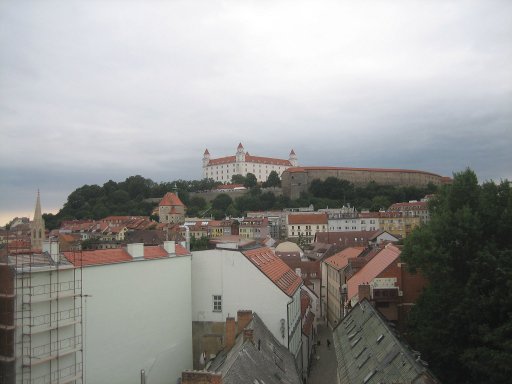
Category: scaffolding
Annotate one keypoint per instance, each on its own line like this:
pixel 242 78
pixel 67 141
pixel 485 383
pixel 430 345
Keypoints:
pixel 42 327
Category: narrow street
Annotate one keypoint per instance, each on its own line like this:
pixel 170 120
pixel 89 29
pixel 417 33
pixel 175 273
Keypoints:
pixel 323 369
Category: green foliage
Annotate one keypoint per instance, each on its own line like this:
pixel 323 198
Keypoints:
pixel 221 202
pixel 238 179
pixel 463 321
pixel 250 181
pixel 273 180
pixel 198 244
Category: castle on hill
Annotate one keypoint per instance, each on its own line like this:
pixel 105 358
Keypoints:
pixel 223 168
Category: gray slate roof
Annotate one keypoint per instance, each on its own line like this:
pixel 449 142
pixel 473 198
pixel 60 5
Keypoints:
pixel 368 351
pixel 244 363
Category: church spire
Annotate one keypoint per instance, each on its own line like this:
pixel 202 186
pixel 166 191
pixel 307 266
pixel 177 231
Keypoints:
pixel 37 235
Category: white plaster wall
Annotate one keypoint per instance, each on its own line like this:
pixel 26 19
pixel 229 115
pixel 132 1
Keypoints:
pixel 138 316
pixel 242 286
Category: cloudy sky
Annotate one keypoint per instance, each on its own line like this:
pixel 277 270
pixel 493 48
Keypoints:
pixel 99 90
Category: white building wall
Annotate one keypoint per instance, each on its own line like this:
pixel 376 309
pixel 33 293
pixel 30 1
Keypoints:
pixel 138 316
pixel 242 286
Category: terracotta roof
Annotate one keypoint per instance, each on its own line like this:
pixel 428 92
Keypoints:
pixel 346 239
pixel 305 302
pixel 222 160
pixel 170 199
pixel 292 152
pixel 416 204
pixel 340 259
pixel 240 146
pixel 206 151
pixel 117 255
pixel 368 215
pixel 302 169
pixel 267 160
pixel 275 269
pixel 304 218
pixel 372 269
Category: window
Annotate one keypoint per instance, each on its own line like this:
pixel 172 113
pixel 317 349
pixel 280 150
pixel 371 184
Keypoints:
pixel 217 303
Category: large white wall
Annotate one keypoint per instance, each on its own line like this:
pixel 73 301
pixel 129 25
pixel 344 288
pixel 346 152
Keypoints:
pixel 242 286
pixel 138 316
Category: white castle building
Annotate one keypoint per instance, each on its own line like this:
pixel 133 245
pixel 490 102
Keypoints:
pixel 223 168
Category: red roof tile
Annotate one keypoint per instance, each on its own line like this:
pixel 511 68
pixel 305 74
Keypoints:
pixel 340 259
pixel 305 302
pixel 267 160
pixel 275 269
pixel 372 269
pixel 222 160
pixel 170 199
pixel 312 218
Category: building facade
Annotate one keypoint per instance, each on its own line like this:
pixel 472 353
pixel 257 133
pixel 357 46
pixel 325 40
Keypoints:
pixel 171 209
pixel 223 168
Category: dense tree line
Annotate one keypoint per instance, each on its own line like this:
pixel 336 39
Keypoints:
pixel 129 197
pixel 462 323
pixel 125 198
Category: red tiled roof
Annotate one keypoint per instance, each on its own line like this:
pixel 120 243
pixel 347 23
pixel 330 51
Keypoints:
pixel 170 199
pixel 346 239
pixel 267 160
pixel 305 302
pixel 117 255
pixel 98 257
pixel 416 204
pixel 240 146
pixel 275 269
pixel 206 151
pixel 302 169
pixel 372 269
pixel 340 259
pixel 312 218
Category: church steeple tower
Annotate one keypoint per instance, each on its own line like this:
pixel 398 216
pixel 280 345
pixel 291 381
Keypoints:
pixel 37 235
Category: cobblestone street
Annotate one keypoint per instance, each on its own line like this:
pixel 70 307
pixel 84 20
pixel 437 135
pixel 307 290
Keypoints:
pixel 323 369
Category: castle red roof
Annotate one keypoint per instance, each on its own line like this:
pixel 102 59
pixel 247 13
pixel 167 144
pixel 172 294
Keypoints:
pixel 170 199
pixel 275 269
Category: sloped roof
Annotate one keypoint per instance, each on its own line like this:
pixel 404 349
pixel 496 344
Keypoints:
pixel 287 247
pixel 170 199
pixel 117 255
pixel 265 360
pixel 275 269
pixel 305 218
pixel 347 239
pixel 340 259
pixel 372 269
pixel 367 351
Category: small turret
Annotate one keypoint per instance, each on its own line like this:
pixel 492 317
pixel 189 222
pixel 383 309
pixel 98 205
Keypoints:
pixel 240 153
pixel 206 158
pixel 293 159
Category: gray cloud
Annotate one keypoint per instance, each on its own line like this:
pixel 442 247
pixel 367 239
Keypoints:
pixel 93 90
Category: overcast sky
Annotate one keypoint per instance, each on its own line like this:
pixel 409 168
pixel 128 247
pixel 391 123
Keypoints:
pixel 99 90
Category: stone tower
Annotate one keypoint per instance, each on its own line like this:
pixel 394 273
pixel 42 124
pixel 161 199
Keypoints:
pixel 240 153
pixel 37 235
pixel 293 159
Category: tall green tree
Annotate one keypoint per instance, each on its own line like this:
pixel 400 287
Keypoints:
pixel 462 323
pixel 250 181
pixel 273 180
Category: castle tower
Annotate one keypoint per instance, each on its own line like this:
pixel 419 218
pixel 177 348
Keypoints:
pixel 293 159
pixel 240 153
pixel 206 160
pixel 37 235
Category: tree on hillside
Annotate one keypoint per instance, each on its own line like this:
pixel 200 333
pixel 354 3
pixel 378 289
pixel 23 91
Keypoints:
pixel 238 179
pixel 273 180
pixel 221 202
pixel 250 181
pixel 462 323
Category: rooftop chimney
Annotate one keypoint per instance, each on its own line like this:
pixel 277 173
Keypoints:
pixel 364 292
pixel 244 318
pixel 136 250
pixel 230 332
pixel 170 247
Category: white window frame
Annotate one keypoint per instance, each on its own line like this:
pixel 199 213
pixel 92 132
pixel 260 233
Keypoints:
pixel 217 303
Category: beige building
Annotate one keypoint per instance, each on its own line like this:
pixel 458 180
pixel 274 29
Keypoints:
pixel 398 223
pixel 223 168
pixel 306 225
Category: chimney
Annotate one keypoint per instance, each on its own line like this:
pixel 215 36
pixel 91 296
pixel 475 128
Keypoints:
pixel 230 332
pixel 249 335
pixel 244 318
pixel 170 247
pixel 364 292
pixel 52 247
pixel 136 250
pixel 200 377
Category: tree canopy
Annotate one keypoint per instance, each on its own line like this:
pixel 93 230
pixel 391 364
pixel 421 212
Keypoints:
pixel 462 323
